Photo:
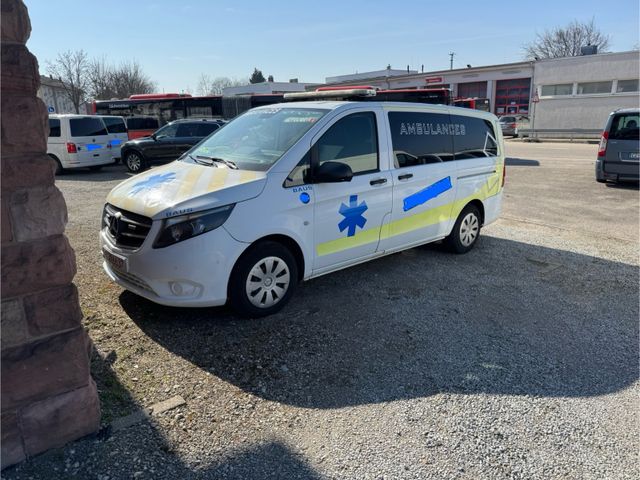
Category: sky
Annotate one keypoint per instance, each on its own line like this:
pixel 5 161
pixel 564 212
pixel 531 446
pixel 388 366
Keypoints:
pixel 177 41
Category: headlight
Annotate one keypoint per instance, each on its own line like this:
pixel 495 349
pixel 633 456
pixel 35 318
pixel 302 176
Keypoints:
pixel 181 228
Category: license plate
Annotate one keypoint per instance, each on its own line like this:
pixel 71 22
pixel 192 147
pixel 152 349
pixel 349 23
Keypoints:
pixel 634 156
pixel 116 261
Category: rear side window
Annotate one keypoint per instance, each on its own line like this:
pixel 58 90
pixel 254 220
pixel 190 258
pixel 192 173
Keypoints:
pixel 87 127
pixel 422 138
pixel 625 127
pixel 115 125
pixel 187 130
pixel 476 139
pixel 142 123
pixel 204 129
pixel 507 119
pixel 54 127
pixel 352 140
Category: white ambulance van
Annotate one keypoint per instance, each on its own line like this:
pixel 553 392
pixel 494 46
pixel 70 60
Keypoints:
pixel 288 192
pixel 78 141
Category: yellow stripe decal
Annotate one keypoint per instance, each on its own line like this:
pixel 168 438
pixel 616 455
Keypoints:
pixel 420 220
pixel 218 179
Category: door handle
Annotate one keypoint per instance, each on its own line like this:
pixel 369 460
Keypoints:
pixel 405 176
pixel 378 181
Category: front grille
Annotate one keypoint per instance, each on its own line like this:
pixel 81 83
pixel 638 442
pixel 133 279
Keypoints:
pixel 126 229
pixel 133 280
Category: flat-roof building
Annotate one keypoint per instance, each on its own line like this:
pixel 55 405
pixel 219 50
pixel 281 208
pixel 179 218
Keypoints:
pixel 572 92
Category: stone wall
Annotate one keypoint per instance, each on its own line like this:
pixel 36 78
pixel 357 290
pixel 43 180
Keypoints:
pixel 48 396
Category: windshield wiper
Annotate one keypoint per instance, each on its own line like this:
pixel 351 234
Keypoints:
pixel 228 163
pixel 200 162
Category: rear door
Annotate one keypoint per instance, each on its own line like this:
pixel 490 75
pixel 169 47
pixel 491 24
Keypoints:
pixel 117 129
pixel 424 180
pixel 622 154
pixel 91 139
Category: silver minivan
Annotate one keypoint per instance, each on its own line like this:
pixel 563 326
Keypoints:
pixel 619 150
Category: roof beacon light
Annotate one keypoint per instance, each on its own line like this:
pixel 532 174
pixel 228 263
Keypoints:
pixel 332 93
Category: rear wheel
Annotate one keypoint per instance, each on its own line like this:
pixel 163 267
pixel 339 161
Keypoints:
pixel 58 166
pixel 134 161
pixel 466 230
pixel 263 280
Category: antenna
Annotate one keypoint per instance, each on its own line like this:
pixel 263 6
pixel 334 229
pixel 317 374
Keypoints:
pixel 451 54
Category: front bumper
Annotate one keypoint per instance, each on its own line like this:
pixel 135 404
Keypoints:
pixel 192 273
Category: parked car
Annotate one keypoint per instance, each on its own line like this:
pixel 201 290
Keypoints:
pixel 292 191
pixel 512 124
pixel 619 150
pixel 138 127
pixel 78 141
pixel 117 129
pixel 167 143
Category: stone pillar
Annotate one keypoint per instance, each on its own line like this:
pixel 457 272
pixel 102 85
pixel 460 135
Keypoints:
pixel 48 396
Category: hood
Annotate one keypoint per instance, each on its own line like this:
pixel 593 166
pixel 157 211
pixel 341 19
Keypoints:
pixel 180 187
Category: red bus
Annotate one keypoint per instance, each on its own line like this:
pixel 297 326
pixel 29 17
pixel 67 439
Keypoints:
pixel 473 103
pixel 166 107
pixel 146 112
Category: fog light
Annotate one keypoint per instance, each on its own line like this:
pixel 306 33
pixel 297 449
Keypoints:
pixel 185 289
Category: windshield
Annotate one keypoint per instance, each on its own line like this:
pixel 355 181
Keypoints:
pixel 257 139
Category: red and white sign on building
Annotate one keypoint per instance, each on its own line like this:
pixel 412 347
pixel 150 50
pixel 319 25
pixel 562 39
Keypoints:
pixel 430 80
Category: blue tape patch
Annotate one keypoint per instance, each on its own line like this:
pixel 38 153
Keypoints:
pixel 152 182
pixel 304 197
pixel 115 141
pixel 426 194
pixel 93 146
pixel 352 215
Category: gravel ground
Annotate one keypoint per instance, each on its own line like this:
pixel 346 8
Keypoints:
pixel 517 360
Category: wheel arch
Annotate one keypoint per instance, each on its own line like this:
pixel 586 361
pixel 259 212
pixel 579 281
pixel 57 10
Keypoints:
pixel 287 242
pixel 479 205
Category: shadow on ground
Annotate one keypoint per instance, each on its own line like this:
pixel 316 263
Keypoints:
pixel 509 318
pixel 143 451
pixel 624 185
pixel 107 173
pixel 521 162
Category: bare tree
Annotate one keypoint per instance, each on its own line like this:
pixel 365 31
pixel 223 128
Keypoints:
pixel 566 41
pixel 99 74
pixel 106 81
pixel 209 86
pixel 129 79
pixel 70 68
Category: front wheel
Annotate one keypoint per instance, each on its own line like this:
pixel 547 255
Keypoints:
pixel 134 161
pixel 465 232
pixel 263 280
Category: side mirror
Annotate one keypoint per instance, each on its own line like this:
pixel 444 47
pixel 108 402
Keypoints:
pixel 333 172
pixel 153 135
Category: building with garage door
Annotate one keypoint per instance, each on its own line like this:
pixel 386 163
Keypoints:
pixel 507 86
pixel 573 92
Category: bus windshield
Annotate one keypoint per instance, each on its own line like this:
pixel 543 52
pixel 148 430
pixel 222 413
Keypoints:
pixel 258 138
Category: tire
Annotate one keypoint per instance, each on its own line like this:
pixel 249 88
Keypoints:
pixel 58 169
pixel 134 162
pixel 466 231
pixel 96 168
pixel 254 291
